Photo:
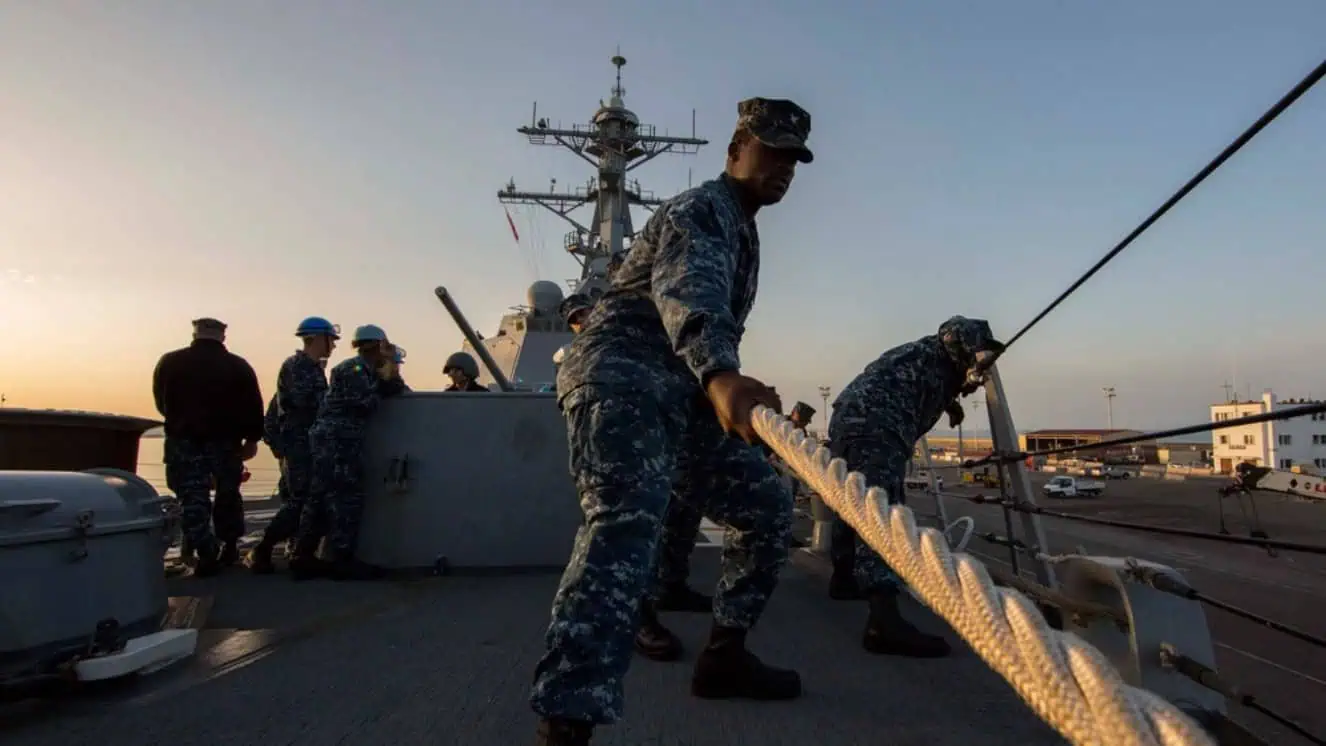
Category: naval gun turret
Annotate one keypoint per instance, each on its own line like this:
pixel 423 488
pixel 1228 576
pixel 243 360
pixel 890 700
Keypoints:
pixel 526 339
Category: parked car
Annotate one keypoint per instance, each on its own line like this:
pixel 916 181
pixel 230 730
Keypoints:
pixel 921 481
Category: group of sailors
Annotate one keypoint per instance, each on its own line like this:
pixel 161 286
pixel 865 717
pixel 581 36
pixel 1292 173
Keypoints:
pixel 314 424
pixel 658 417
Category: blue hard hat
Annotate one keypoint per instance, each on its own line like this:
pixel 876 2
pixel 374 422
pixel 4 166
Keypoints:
pixel 369 333
pixel 316 325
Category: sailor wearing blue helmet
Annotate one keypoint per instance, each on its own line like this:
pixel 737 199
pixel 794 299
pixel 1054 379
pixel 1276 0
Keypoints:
pixel 300 385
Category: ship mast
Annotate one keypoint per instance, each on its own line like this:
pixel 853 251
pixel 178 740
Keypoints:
pixel 614 143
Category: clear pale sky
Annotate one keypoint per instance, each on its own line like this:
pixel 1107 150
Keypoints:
pixel 262 161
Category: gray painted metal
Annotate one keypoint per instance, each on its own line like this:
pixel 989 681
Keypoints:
pixel 484 482
pixel 1005 436
pixel 76 549
pixel 1156 619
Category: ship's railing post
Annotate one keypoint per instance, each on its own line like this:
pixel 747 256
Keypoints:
pixel 1004 435
pixel 940 511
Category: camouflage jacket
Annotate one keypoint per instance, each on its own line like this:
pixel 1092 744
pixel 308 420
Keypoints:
pixel 678 303
pixel 352 395
pixel 902 394
pixel 300 387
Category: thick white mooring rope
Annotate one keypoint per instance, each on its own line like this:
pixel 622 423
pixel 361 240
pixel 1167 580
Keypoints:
pixel 1065 681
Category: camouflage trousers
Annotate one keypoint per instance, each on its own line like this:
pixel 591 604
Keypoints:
pixel 871 459
pixel 192 469
pixel 676 542
pixel 293 490
pixel 623 447
pixel 335 503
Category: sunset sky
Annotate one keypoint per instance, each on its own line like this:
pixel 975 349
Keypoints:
pixel 261 162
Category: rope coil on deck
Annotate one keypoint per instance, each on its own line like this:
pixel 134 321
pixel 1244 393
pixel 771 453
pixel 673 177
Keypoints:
pixel 1065 681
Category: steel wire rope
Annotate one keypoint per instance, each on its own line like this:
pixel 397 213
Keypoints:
pixel 1271 114
pixel 1289 546
pixel 1159 581
pixel 1077 607
pixel 1066 682
pixel 1205 427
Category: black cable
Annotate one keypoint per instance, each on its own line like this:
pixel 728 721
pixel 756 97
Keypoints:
pixel 1291 546
pixel 1163 582
pixel 1234 147
pixel 1212 680
pixel 1256 541
pixel 1205 427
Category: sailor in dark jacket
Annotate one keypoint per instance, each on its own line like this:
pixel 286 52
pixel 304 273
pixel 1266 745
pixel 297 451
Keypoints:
pixel 210 400
pixel 655 370
pixel 876 422
pixel 300 386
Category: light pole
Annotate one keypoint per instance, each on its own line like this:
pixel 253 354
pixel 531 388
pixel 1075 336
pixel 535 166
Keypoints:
pixel 824 397
pixel 1109 406
pixel 975 404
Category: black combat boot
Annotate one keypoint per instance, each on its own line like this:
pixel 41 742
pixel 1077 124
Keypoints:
pixel 888 633
pixel 260 559
pixel 559 732
pixel 208 562
pixel 842 584
pixel 726 670
pixel 653 640
pixel 229 553
pixel 682 597
pixel 304 561
pixel 349 568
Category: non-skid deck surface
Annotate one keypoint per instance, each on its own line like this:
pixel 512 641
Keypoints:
pixel 449 660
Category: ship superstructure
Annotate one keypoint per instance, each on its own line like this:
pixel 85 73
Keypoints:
pixel 615 143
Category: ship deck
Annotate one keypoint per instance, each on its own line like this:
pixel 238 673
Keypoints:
pixel 449 660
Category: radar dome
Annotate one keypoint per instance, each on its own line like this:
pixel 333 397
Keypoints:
pixel 544 297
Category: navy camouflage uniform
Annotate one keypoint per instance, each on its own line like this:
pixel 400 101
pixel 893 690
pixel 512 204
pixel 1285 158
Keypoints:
pixel 678 534
pixel 880 415
pixel 681 520
pixel 336 496
pixel 630 389
pixel 300 387
pixel 271 426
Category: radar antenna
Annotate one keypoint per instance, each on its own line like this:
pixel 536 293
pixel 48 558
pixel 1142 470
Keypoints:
pixel 614 143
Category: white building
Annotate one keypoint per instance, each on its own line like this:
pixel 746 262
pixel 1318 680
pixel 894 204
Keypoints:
pixel 1285 444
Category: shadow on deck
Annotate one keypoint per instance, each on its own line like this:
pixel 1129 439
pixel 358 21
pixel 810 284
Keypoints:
pixel 449 660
